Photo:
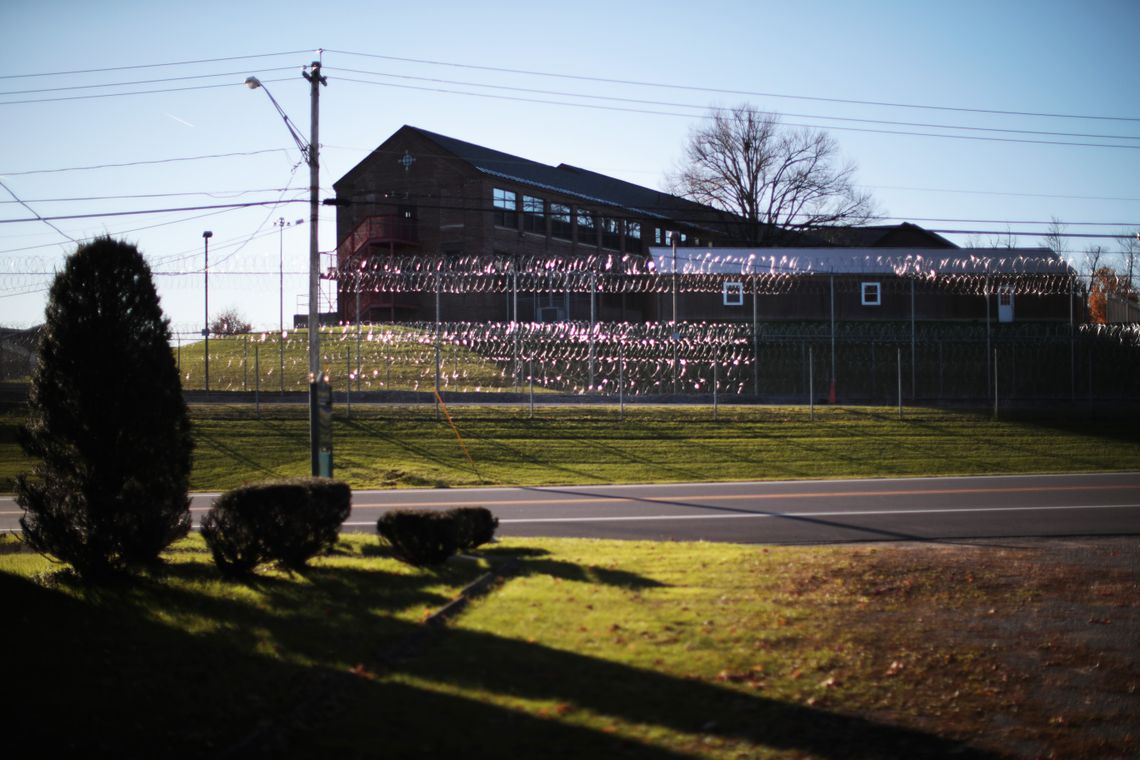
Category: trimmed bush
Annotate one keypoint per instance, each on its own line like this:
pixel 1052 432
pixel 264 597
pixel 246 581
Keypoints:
pixel 424 538
pixel 286 521
pixel 474 526
pixel 419 537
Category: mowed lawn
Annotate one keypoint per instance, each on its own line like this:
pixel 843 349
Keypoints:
pixel 588 649
pixel 392 446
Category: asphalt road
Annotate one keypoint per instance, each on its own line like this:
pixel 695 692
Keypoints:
pixel 783 512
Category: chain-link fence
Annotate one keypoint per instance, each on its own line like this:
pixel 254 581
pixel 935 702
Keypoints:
pixel 775 362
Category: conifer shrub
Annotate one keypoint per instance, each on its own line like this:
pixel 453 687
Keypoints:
pixel 419 537
pixel 474 526
pixel 107 422
pixel 289 522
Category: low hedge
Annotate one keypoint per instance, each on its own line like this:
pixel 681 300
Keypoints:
pixel 424 538
pixel 284 521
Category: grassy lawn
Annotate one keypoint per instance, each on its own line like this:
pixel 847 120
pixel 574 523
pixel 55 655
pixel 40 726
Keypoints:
pixel 591 649
pixel 383 446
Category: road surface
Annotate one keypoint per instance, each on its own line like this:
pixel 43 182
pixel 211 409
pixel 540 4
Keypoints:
pixel 783 512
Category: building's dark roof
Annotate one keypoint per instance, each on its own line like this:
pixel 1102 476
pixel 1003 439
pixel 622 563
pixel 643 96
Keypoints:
pixel 904 235
pixel 580 183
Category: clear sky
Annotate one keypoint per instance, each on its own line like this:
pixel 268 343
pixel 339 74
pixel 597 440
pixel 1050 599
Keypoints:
pixel 959 60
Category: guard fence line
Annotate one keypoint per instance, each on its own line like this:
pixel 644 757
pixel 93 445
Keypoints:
pixel 775 362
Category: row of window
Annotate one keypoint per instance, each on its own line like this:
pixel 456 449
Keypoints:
pixel 561 221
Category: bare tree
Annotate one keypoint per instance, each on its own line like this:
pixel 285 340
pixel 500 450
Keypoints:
pixel 776 177
pixel 230 322
pixel 1054 237
pixel 1129 249
pixel 1093 255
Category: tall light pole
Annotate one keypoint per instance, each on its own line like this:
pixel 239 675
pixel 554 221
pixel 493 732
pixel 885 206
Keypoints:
pixel 281 225
pixel 311 152
pixel 206 318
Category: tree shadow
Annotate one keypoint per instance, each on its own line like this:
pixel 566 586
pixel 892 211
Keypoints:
pixel 267 681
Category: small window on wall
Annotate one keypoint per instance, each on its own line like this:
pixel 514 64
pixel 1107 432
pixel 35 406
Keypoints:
pixel 506 208
pixel 587 229
pixel 560 225
pixel 633 237
pixel 534 215
pixel 611 233
pixel 872 294
pixel 733 293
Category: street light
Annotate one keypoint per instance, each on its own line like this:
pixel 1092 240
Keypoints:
pixel 281 225
pixel 206 322
pixel 311 151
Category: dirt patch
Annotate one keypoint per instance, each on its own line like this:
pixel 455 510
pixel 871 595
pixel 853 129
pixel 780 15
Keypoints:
pixel 1023 647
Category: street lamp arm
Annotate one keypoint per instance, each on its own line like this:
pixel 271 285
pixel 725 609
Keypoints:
pixel 254 83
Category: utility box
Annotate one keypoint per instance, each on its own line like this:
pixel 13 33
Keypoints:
pixel 321 416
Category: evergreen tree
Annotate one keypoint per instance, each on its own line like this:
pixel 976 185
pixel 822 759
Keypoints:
pixel 107 420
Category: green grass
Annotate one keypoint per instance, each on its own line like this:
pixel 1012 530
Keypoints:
pixel 592 649
pixel 384 446
pixel 391 358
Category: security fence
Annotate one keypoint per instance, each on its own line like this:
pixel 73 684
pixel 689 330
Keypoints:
pixel 775 362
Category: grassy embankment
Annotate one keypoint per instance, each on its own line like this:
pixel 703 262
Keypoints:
pixel 592 649
pixel 406 446
pixel 391 358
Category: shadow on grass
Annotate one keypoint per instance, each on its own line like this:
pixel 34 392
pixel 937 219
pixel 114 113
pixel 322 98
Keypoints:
pixel 96 671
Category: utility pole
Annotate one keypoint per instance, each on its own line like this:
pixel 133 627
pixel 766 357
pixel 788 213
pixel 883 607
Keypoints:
pixel 316 380
pixel 311 152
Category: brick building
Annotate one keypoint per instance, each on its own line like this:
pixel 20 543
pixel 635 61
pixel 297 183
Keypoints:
pixel 424 193
pixel 422 196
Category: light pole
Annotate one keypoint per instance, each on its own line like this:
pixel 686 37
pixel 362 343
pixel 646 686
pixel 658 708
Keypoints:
pixel 311 151
pixel 206 318
pixel 281 225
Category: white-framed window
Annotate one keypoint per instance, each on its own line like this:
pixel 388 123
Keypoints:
pixel 506 207
pixel 733 293
pixel 872 294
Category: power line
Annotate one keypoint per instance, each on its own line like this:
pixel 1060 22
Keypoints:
pixel 866 130
pixel 207 193
pixel 138 82
pixel 155 65
pixel 750 93
pixel 670 104
pixel 42 219
pixel 144 163
pixel 249 204
pixel 121 94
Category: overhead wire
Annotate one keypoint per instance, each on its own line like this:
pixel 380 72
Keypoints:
pixel 721 109
pixel 748 93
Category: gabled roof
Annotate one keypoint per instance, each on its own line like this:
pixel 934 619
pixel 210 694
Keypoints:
pixel 575 182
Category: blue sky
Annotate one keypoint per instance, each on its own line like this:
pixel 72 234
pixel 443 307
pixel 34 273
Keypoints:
pixel 1026 57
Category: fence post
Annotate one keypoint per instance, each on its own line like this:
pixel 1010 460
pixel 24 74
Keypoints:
pixel 621 380
pixel 530 372
pixel 811 385
pixel 716 381
pixel 898 363
pixel 755 341
pixel 348 382
pixel 257 378
pixel 995 383
pixel 245 362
